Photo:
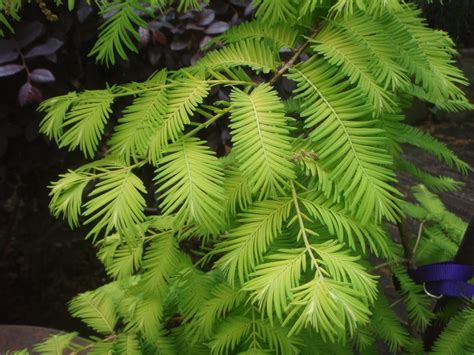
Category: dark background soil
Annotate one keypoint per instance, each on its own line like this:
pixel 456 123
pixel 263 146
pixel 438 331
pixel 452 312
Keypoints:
pixel 42 263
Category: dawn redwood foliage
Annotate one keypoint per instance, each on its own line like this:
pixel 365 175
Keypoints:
pixel 275 247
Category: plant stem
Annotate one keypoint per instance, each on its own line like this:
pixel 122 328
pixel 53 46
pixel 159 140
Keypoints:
pixel 418 237
pixel 405 240
pixel 292 60
pixel 307 244
pixel 207 123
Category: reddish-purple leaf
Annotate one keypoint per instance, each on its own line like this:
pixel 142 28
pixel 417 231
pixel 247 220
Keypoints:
pixel 53 58
pixel 195 58
pixel 217 28
pixel 192 26
pixel 28 32
pixel 42 76
pixel 158 37
pixel 10 69
pixel 207 16
pixel 144 34
pixel 83 12
pixel 6 57
pixel 248 10
pixel 204 41
pixel 51 46
pixel 28 94
pixel 178 45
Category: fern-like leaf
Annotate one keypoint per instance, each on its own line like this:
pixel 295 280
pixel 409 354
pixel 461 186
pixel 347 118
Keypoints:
pixel 330 307
pixel 116 201
pixel 457 336
pixel 85 121
pixel 66 196
pixel 56 109
pixel 96 310
pixel 271 284
pixel 245 245
pixel 55 344
pixel 274 11
pixel 229 334
pixel 261 139
pixel 387 326
pixel 133 133
pixel 160 262
pixel 251 52
pixel 281 36
pixel 349 144
pixel 183 98
pixel 190 179
pixel 345 52
pixel 426 54
pixel 116 33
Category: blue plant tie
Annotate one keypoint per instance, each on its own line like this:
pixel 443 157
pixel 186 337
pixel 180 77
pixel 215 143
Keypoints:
pixel 445 279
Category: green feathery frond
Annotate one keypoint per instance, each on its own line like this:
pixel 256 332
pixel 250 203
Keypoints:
pixel 416 301
pixel 457 337
pixel 145 317
pixel 96 310
pixel 186 5
pixel 341 225
pixel 435 246
pixel 348 7
pixel 426 54
pixel 184 96
pixel 66 196
pixel 349 144
pixel 127 344
pixel 237 190
pixel 223 299
pixel 194 290
pixel 160 262
pixel 274 11
pixel 253 53
pixel 272 283
pixel 361 30
pixel 126 260
pixel 56 109
pixel 85 121
pixel 245 245
pixel 279 35
pixel 190 180
pixel 329 306
pixel 343 267
pixel 261 140
pixel 439 183
pixel 140 120
pixel 277 338
pixel 387 326
pixel 424 141
pixel 55 344
pixel 229 334
pixel 117 200
pixel 116 33
pixel 344 49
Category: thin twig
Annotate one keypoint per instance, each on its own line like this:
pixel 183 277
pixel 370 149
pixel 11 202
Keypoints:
pixel 418 238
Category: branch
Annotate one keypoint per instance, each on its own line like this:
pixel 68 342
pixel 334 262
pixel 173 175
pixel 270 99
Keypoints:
pixel 292 60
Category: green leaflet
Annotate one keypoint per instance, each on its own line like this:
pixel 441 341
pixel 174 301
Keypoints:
pixel 141 119
pixel 261 140
pixel 349 144
pixel 245 245
pixel 190 179
pixel 183 98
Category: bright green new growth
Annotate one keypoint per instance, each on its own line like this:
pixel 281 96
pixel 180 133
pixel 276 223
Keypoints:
pixel 269 248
